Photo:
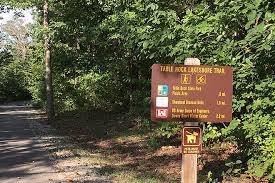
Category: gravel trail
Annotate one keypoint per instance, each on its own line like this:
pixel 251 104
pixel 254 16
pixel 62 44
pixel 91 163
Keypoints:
pixel 33 152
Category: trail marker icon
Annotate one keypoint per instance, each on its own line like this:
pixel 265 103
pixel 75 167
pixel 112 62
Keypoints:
pixel 201 79
pixel 185 79
pixel 192 137
pixel 192 142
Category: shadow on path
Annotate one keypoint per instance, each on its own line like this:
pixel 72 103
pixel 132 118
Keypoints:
pixel 22 158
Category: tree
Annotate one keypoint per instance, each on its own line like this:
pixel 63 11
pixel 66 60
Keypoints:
pixel 44 5
pixel 102 58
pixel 17 38
pixel 48 76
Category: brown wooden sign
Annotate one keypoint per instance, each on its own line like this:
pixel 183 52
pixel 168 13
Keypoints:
pixel 192 140
pixel 191 93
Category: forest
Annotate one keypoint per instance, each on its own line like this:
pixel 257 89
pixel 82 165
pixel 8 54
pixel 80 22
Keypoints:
pixel 102 52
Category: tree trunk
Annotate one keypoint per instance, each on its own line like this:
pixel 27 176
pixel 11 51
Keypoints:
pixel 48 76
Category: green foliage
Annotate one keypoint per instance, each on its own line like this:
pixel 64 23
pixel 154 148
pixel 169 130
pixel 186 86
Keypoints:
pixel 168 130
pixel 211 179
pixel 234 167
pixel 102 58
pixel 12 83
pixel 35 83
pixel 154 143
pixel 164 134
pixel 90 90
pixel 5 58
pixel 211 132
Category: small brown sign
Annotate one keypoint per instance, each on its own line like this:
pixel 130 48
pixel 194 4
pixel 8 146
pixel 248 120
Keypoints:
pixel 192 140
pixel 191 93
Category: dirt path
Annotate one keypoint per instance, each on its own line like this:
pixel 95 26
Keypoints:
pixel 22 158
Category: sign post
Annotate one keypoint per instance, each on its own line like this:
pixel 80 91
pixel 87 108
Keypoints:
pixel 191 93
pixel 189 163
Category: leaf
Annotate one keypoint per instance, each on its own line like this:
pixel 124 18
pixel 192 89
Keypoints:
pixel 238 162
pixel 269 16
pixel 145 44
pixel 257 3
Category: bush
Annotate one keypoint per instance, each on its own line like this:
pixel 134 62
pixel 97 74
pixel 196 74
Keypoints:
pixel 13 82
